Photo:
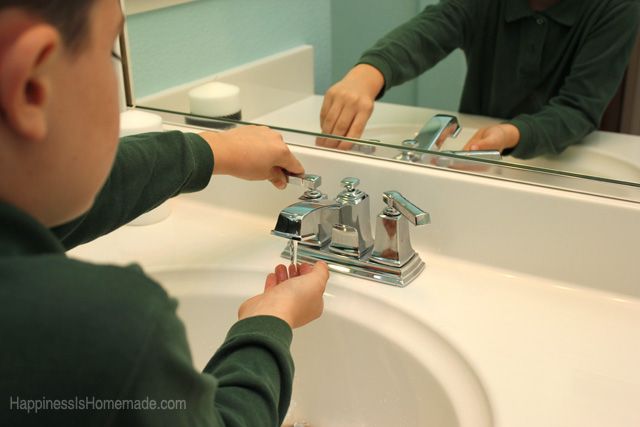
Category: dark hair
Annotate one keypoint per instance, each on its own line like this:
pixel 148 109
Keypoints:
pixel 70 17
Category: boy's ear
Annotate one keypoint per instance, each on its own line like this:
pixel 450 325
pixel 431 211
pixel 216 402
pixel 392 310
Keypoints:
pixel 25 82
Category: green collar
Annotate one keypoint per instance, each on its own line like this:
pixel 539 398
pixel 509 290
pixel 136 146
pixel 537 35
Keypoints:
pixel 566 12
pixel 21 234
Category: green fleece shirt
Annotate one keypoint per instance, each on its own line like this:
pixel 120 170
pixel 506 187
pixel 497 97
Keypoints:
pixel 550 73
pixel 75 330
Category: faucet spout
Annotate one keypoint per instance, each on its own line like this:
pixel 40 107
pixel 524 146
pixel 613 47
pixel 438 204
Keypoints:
pixel 307 222
pixel 437 130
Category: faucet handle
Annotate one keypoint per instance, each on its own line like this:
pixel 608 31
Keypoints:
pixel 350 183
pixel 393 243
pixel 351 194
pixel 398 205
pixel 310 183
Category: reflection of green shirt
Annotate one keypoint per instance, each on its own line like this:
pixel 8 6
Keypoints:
pixel 101 333
pixel 552 73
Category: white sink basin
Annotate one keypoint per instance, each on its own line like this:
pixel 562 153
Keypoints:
pixel 364 363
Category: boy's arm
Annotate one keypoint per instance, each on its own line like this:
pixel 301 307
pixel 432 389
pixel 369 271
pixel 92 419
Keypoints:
pixel 401 55
pixel 247 382
pixel 148 169
pixel 254 370
pixel 419 44
pixel 594 78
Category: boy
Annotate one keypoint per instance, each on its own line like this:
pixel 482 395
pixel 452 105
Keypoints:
pixel 72 330
pixel 549 67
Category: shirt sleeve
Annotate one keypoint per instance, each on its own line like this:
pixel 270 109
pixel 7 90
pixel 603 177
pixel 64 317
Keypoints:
pixel 593 80
pixel 247 383
pixel 419 44
pixel 254 370
pixel 148 169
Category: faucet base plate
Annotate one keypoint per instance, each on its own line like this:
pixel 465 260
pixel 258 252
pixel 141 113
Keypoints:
pixel 364 267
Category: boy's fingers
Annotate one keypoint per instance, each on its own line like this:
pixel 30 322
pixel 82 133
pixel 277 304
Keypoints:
pixel 473 144
pixel 281 273
pixel 328 143
pixel 305 268
pixel 321 270
pixel 293 270
pixel 327 103
pixel 345 121
pixel 484 144
pixel 478 136
pixel 291 164
pixel 270 282
pixel 357 127
pixel 332 117
pixel 278 178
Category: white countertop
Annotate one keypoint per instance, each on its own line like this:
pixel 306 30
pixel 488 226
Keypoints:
pixel 547 353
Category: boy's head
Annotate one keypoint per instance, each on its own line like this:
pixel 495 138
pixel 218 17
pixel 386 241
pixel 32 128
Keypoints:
pixel 69 17
pixel 58 104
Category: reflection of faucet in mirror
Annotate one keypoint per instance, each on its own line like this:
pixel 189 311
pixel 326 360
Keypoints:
pixel 437 130
pixel 339 233
pixel 433 135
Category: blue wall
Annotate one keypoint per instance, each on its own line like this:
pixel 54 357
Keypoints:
pixel 208 36
pixel 353 34
pixel 222 34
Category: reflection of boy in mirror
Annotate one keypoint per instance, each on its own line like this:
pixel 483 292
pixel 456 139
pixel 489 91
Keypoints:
pixel 549 67
pixel 104 333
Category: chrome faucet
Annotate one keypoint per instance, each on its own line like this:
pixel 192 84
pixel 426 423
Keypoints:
pixel 393 246
pixel 437 130
pixel 351 234
pixel 433 135
pixel 339 232
pixel 310 220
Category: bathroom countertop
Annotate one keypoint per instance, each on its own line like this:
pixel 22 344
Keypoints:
pixel 547 353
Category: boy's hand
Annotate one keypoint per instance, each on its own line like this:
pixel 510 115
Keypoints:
pixel 253 153
pixel 294 296
pixel 348 104
pixel 497 137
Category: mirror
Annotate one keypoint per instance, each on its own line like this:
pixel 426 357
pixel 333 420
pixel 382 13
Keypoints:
pixel 272 61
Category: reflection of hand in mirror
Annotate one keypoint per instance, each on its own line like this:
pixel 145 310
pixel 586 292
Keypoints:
pixel 348 104
pixel 340 144
pixel 337 144
pixel 463 164
pixel 497 137
pixel 253 153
